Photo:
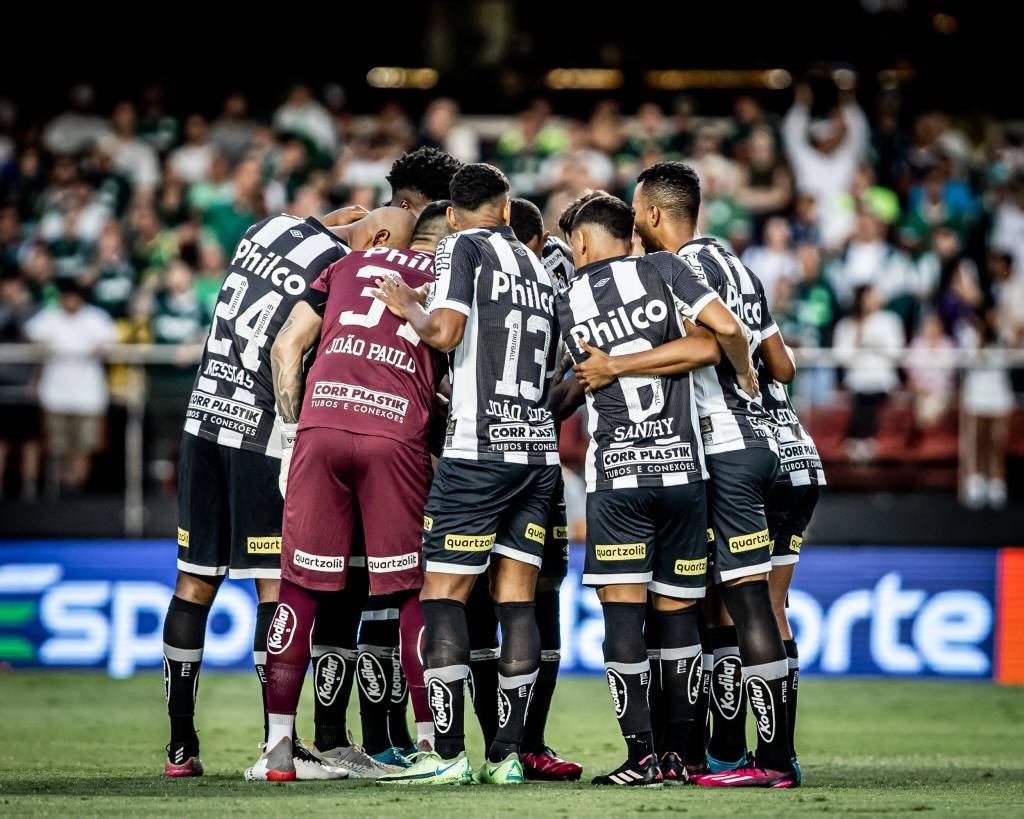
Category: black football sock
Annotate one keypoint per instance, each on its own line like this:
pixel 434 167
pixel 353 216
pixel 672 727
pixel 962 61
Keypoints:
pixel 446 667
pixel 655 693
pixel 728 741
pixel 264 614
pixel 483 661
pixel 398 720
pixel 697 743
pixel 334 664
pixel 628 672
pixel 793 684
pixel 184 638
pixel 765 669
pixel 374 673
pixel 680 675
pixel 518 667
pixel 550 656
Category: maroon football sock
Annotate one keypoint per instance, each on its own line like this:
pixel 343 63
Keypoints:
pixel 410 624
pixel 288 647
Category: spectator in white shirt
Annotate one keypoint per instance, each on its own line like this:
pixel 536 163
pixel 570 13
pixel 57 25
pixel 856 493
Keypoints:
pixel 870 259
pixel 773 261
pixel 132 156
pixel 824 155
pixel 73 385
pixel 303 116
pixel 193 160
pixel 867 344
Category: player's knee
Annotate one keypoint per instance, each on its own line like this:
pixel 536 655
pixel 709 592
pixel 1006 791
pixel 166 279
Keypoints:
pixel 514 582
pixel 663 603
pixel 443 586
pixel 195 589
pixel 623 593
pixel 267 590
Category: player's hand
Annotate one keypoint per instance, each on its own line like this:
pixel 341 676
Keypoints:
pixel 288 433
pixel 423 293
pixel 397 295
pixel 748 381
pixel 344 216
pixel 597 371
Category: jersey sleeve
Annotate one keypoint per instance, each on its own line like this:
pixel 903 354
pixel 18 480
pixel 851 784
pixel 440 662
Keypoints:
pixel 768 326
pixel 689 286
pixel 456 265
pixel 316 294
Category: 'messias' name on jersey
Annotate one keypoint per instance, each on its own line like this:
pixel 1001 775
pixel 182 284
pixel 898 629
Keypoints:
pixel 643 428
pixel 507 355
pixel 232 401
pixel 372 374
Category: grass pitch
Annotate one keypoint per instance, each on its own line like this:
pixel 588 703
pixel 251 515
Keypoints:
pixel 85 744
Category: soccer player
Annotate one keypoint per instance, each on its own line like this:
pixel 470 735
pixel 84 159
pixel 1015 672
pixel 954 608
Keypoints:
pixel 360 468
pixel 420 177
pixel 229 506
pixel 540 762
pixel 789 507
pixel 492 307
pixel 742 460
pixel 645 475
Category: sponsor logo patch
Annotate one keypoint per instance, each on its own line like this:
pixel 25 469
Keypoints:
pixel 726 687
pixel 747 543
pixel 282 629
pixel 617 686
pixel 762 707
pixel 182 538
pixel 263 545
pixel 504 708
pixel 691 567
pixel 535 533
pixel 318 563
pixel 795 542
pixel 620 551
pixel 560 532
pixel 372 680
pixel 428 524
pixel 693 678
pixel 328 674
pixel 469 543
pixel 439 695
pixel 711 535
pixel 393 563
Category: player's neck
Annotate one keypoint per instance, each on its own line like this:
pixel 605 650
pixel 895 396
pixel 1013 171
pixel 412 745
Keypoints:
pixel 677 234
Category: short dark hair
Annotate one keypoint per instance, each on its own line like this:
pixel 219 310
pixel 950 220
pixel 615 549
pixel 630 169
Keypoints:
pixel 674 187
pixel 565 220
pixel 426 224
pixel 610 212
pixel 426 170
pixel 526 221
pixel 477 184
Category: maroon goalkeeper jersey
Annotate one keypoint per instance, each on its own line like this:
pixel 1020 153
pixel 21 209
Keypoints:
pixel 372 374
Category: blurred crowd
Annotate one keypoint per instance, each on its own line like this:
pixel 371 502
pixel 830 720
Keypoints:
pixel 872 230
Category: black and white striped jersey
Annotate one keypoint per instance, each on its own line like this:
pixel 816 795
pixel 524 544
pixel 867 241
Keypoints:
pixel 643 428
pixel 502 366
pixel 232 401
pixel 800 463
pixel 729 419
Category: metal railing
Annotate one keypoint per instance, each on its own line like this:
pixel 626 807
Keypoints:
pixel 139 356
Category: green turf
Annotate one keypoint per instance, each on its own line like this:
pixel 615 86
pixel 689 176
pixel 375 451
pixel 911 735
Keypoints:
pixel 84 744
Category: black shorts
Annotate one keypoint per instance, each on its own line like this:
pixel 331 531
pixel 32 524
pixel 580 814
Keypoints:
pixel 656 536
pixel 476 507
pixel 740 544
pixel 789 510
pixel 229 511
pixel 555 563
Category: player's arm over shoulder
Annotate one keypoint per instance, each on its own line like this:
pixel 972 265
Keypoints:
pixel 456 264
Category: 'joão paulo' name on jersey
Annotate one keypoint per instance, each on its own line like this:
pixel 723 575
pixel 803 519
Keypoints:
pixel 501 368
pixel 643 429
pixel 232 401
pixel 730 419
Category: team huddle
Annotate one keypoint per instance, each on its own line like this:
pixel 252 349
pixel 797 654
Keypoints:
pixel 373 437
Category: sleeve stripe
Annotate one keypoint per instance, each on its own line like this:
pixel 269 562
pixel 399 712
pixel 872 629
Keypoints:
pixel 703 302
pixel 451 304
pixel 769 331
